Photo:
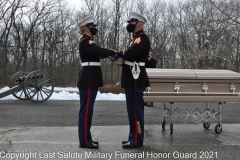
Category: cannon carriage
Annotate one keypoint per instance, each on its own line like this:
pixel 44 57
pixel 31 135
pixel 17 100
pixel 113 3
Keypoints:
pixel 36 86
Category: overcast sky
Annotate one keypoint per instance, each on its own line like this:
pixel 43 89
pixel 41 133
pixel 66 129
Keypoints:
pixel 76 3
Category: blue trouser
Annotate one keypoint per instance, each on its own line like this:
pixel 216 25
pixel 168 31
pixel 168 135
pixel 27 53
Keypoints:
pixel 135 115
pixel 87 99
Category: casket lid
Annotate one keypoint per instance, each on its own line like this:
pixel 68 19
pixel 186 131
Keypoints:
pixel 191 74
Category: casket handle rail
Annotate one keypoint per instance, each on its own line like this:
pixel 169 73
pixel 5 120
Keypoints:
pixel 205 87
pixel 148 89
pixel 191 93
pixel 176 87
pixel 232 87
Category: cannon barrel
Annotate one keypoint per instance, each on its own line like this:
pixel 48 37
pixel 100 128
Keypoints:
pixel 36 86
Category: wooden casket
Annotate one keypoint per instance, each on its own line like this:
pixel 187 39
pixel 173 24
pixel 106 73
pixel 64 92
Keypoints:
pixel 192 85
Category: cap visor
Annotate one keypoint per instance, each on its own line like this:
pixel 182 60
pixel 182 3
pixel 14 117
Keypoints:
pixel 132 20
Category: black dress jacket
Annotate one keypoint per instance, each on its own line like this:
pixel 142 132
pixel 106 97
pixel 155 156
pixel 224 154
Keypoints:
pixel 137 51
pixel 91 76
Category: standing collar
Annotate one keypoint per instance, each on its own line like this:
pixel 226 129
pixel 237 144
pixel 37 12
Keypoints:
pixel 138 33
pixel 86 36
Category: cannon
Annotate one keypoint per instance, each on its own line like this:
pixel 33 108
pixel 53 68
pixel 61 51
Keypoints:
pixel 36 86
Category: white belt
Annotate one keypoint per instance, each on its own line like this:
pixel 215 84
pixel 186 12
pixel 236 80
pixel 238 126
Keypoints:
pixel 131 64
pixel 91 64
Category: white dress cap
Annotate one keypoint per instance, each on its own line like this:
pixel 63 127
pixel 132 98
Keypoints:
pixel 134 16
pixel 86 20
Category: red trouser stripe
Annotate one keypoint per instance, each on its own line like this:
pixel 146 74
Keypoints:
pixel 136 126
pixel 86 116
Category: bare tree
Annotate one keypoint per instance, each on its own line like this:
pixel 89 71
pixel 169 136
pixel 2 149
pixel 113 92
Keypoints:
pixel 190 34
pixel 229 9
pixel 8 10
pixel 26 23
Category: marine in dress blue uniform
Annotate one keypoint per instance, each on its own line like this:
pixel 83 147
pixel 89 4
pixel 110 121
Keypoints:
pixel 151 63
pixel 90 78
pixel 136 52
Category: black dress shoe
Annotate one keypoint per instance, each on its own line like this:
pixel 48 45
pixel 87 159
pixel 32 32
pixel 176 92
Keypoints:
pixel 91 145
pixel 95 142
pixel 128 145
pixel 123 142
